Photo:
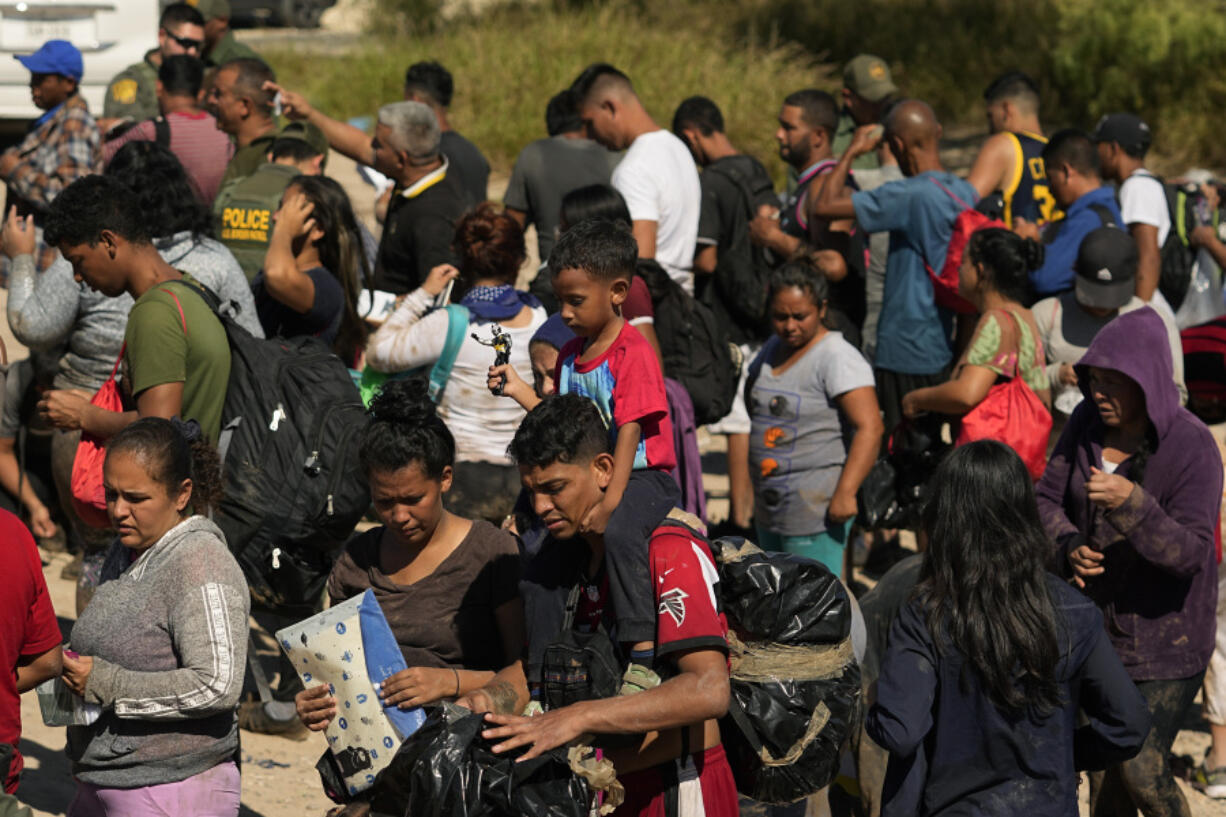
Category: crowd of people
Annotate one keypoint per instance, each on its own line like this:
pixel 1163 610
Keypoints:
pixel 531 444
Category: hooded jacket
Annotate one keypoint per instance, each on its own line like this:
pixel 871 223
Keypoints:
pixel 1158 590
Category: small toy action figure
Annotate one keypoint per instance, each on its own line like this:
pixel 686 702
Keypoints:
pixel 501 343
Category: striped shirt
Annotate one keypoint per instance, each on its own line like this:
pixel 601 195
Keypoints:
pixel 203 150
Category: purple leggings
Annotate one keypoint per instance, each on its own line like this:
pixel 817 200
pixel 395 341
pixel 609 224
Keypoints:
pixel 214 793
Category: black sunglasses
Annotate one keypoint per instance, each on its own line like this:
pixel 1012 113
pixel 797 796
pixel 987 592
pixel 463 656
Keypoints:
pixel 187 43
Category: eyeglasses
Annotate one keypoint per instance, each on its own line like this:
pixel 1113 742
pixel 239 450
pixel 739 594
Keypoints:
pixel 186 43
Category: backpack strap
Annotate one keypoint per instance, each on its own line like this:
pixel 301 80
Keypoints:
pixel 572 606
pixel 161 131
pixel 950 193
pixel 457 328
pixel 1104 215
pixel 182 317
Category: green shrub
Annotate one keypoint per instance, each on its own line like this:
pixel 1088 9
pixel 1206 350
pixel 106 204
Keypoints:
pixel 1165 61
pixel 508 62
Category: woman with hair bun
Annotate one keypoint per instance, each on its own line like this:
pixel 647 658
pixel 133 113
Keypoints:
pixel 162 645
pixel 448 586
pixel 490 246
pixel 995 277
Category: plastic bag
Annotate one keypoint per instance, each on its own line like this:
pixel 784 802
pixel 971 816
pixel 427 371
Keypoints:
pixel 892 495
pixel 350 647
pixel 60 706
pixel 795 681
pixel 446 769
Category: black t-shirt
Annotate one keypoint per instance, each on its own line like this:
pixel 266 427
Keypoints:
pixel 320 321
pixel 418 231
pixel 724 223
pixel 468 163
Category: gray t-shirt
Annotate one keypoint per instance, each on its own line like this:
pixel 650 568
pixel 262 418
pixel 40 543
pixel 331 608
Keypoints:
pixel 545 172
pixel 796 445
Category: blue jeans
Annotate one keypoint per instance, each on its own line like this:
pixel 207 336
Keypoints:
pixel 825 547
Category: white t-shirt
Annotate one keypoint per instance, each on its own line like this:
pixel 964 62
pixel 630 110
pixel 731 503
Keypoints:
pixel 482 423
pixel 659 181
pixel 1143 201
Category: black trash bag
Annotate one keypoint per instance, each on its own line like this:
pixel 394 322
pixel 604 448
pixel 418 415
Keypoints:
pixel 795 680
pixel 446 769
pixel 892 495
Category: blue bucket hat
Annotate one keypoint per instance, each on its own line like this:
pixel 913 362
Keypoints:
pixel 55 57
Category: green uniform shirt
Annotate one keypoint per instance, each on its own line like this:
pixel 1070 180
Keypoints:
pixel 166 346
pixel 842 138
pixel 247 160
pixel 242 213
pixel 229 48
pixel 132 94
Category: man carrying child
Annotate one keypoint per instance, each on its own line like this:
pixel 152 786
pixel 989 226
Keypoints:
pixel 677 684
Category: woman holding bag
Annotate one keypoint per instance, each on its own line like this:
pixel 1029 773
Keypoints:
pixel 999 388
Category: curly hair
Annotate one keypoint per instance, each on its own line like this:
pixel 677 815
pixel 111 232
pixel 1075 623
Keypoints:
pixel 404 429
pixel 167 198
pixel 564 428
pixel 489 244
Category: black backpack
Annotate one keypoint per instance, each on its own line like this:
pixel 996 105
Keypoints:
pixel 742 270
pixel 694 346
pixel 1178 256
pixel 579 666
pixel 293 487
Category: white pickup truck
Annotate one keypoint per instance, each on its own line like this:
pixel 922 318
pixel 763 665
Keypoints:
pixel 112 34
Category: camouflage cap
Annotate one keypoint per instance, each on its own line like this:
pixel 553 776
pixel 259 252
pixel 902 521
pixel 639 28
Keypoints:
pixel 212 9
pixel 305 132
pixel 869 77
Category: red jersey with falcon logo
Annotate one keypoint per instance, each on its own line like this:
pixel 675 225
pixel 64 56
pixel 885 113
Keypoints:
pixel 686 584
pixel 687 595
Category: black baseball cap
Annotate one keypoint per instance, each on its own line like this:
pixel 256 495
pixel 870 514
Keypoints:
pixel 1106 269
pixel 1126 129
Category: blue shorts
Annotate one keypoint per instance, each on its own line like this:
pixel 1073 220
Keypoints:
pixel 825 547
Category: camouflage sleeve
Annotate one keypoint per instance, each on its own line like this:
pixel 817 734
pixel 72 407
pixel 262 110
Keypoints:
pixel 127 98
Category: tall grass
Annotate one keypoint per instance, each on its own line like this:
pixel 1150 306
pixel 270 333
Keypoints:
pixel 1165 61
pixel 509 61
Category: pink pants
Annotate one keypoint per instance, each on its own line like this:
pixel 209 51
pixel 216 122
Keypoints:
pixel 214 793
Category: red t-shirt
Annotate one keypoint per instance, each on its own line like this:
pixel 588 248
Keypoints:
pixel 686 583
pixel 626 384
pixel 27 625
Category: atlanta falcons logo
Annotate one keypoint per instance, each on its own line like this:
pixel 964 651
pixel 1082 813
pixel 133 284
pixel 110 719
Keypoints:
pixel 673 603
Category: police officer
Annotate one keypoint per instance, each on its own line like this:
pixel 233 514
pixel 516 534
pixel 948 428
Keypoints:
pixel 132 95
pixel 243 210
pixel 220 45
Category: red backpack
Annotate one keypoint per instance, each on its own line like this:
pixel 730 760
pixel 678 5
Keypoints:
pixel 945 284
pixel 88 494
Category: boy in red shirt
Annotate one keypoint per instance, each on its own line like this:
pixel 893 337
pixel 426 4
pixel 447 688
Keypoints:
pixel 675 763
pixel 611 364
pixel 29 638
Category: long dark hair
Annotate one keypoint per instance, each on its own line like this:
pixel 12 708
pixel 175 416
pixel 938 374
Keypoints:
pixel 983 582
pixel 168 198
pixel 340 252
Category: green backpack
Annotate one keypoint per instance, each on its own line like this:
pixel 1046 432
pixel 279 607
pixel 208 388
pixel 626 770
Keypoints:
pixel 370 381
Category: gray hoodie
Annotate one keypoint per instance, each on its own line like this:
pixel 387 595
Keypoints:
pixel 52 310
pixel 168 635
